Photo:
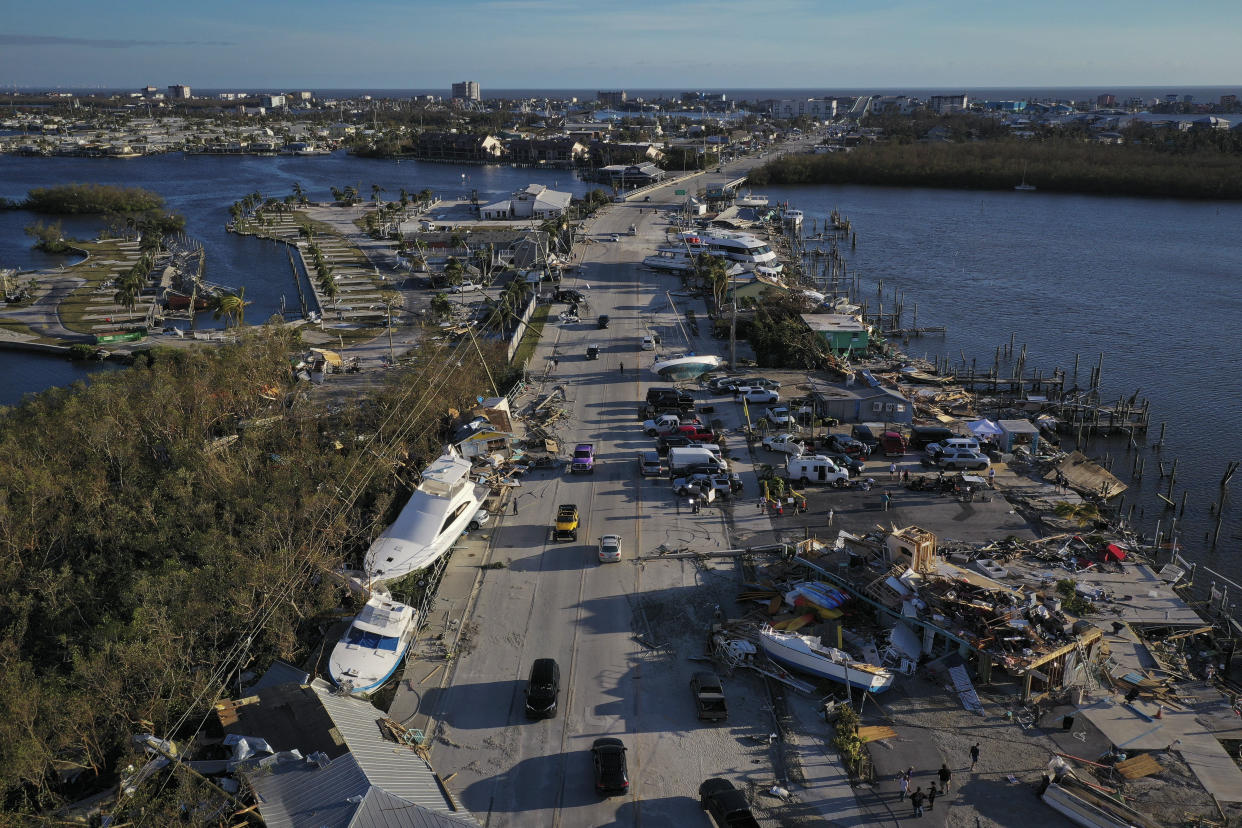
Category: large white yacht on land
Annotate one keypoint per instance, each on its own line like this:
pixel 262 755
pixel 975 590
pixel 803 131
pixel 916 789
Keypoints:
pixel 736 247
pixel 374 645
pixel 438 512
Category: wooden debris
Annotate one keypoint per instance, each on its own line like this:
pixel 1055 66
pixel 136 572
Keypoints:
pixel 1139 766
pixel 872 733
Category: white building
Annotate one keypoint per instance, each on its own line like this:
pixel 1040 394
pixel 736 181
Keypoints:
pixel 534 202
pixel 179 92
pixel 822 109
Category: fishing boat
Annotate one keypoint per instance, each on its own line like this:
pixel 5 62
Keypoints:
pixel 806 654
pixel 374 646
pixel 792 218
pixel 437 513
pixel 686 366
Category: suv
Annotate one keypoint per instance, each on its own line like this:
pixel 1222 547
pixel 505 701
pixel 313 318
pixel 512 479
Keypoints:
pixel 566 522
pixel 863 434
pixel 760 382
pixel 650 465
pixel 611 774
pixel 721 385
pixel 726 804
pixel 672 441
pixel 603 320
pixel 542 689
pixel 962 459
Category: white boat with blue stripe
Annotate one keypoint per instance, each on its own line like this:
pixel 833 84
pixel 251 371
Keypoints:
pixel 374 646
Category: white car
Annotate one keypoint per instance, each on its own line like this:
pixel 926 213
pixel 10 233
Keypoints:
pixel 778 415
pixel 614 237
pixel 648 343
pixel 787 443
pixel 610 549
pixel 480 519
pixel 465 287
pixel 757 395
pixel 962 459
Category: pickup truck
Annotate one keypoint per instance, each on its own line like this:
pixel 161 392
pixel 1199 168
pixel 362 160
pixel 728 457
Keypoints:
pixel 584 459
pixel 787 443
pixel 709 697
pixel 666 424
pixel 566 522
pixel 726 804
pixel 696 432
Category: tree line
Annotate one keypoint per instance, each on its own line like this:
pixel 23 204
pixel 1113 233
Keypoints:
pixel 167 527
pixel 73 199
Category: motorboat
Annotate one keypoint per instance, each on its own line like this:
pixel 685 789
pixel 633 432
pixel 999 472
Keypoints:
pixel 752 200
pixel 686 366
pixel 806 654
pixel 436 515
pixel 736 247
pixel 374 646
pixel 671 260
pixel 792 218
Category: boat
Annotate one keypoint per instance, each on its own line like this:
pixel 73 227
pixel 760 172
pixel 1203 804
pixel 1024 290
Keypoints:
pixel 752 200
pixel 1024 187
pixel 179 301
pixel 792 218
pixel 436 515
pixel 686 366
pixel 374 646
pixel 736 247
pixel 806 654
pixel 671 260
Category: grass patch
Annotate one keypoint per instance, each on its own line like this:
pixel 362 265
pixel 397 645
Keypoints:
pixel 534 332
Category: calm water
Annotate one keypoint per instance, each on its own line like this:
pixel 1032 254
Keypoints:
pixel 1154 285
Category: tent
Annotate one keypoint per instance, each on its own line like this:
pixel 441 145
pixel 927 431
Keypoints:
pixel 984 429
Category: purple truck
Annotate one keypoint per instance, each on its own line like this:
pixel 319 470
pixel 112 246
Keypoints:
pixel 584 459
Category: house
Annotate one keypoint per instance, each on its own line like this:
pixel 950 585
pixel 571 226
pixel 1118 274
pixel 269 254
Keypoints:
pixel 624 176
pixel 452 146
pixel 855 402
pixel 488 433
pixel 552 151
pixel 329 762
pixel 842 332
pixel 534 202
pixel 753 286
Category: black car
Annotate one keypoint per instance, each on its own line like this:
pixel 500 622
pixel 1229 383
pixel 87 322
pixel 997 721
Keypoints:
pixel 569 295
pixel 864 434
pixel 542 689
pixel 673 441
pixel 611 774
pixel 846 445
pixel 603 320
pixel 726 804
pixel 844 461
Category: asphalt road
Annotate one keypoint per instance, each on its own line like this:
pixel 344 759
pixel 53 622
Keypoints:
pixel 554 599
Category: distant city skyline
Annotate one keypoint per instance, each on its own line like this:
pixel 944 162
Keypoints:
pixel 554 44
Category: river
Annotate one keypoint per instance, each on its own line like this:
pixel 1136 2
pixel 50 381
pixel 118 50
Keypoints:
pixel 1153 284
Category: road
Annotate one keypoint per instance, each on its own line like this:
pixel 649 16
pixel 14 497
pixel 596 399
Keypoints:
pixel 555 599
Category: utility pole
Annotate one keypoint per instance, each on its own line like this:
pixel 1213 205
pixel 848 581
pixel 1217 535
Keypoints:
pixel 733 337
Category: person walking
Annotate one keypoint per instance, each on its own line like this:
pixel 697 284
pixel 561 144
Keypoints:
pixel 515 507
pixel 905 476
pixel 974 755
pixel 884 499
pixel 931 798
pixel 830 514
pixel 905 786
pixel 916 799
pixel 992 477
pixel 946 777
pixel 892 471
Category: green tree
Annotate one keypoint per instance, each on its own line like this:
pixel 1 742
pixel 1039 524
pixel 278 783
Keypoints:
pixel 232 308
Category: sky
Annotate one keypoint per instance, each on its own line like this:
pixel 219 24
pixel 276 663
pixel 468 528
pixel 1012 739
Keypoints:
pixel 558 44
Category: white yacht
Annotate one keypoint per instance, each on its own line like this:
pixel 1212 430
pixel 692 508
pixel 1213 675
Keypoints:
pixel 752 200
pixel 807 654
pixel 686 366
pixel 671 260
pixel 374 646
pixel 736 247
pixel 792 218
pixel 438 512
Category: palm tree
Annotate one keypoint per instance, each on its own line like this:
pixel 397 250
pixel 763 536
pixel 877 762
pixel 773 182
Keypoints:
pixel 453 270
pixel 232 307
pixel 375 193
pixel 298 194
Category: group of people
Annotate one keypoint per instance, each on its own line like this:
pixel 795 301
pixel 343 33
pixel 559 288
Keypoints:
pixel 918 798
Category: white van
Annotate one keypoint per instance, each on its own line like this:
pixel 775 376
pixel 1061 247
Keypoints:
pixel 681 458
pixel 817 469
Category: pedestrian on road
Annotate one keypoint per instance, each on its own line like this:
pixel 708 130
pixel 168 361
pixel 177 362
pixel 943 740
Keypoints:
pixel 946 777
pixel 830 514
pixel 884 498
pixel 621 367
pixel 556 363
pixel 974 755
pixel 905 475
pixel 905 786
pixel 991 477
pixel 931 798
pixel 515 507
pixel 916 799
pixel 892 470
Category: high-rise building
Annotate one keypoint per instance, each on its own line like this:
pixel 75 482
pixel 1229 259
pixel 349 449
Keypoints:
pixel 466 91
pixel 179 92
pixel 948 103
pixel 1106 100
pixel 613 99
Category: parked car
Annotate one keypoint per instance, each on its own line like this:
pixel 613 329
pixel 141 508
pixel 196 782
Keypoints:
pixel 701 482
pixel 480 519
pixel 614 237
pixel 721 385
pixel 603 320
pixel 465 287
pixel 648 344
pixel 760 382
pixel 863 434
pixel 542 689
pixel 611 774
pixel 650 464
pixel 778 416
pixel 756 395
pixel 787 443
pixel 850 464
pixel 610 549
pixel 670 441
pixel 709 698
pixel 921 436
pixel 726 804
pixel 846 445
pixel 933 450
pixel 962 459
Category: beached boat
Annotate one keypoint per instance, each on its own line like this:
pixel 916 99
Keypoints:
pixel 374 646
pixel 671 260
pixel 686 366
pixel 438 512
pixel 792 218
pixel 806 654
pixel 752 200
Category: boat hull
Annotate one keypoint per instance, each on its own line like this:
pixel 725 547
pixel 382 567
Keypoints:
pixel 806 662
pixel 687 368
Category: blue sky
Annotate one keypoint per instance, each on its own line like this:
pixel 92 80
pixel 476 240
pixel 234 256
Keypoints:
pixel 553 44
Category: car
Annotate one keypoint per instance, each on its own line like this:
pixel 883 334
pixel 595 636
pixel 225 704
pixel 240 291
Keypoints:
pixel 760 382
pixel 850 464
pixel 726 804
pixel 650 464
pixel 648 343
pixel 721 385
pixel 603 320
pixel 610 549
pixel 480 519
pixel 778 415
pixel 592 352
pixel 846 445
pixel 614 237
pixel 569 295
pixel 787 443
pixel 671 441
pixel 933 450
pixel 709 697
pixel 465 287
pixel 962 459
pixel 611 774
pixel 685 486
pixel 863 434
pixel 756 395
pixel 542 689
